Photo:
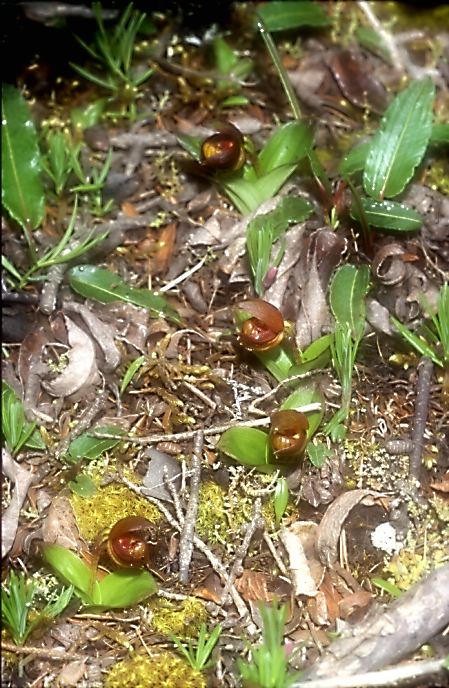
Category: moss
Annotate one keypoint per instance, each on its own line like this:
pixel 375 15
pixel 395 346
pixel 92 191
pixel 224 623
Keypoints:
pixel 161 671
pixel 108 505
pixel 212 519
pixel 438 177
pixel 184 621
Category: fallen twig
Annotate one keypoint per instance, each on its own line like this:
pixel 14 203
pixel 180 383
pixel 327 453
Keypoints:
pixel 188 529
pixel 425 370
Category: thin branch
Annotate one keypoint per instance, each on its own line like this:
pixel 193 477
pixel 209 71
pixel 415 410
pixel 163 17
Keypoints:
pixel 188 530
pixel 425 370
pixel 257 523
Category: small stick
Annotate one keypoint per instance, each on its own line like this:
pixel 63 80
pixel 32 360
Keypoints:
pixel 425 370
pixel 257 522
pixel 188 529
pixel 44 653
pixel 272 548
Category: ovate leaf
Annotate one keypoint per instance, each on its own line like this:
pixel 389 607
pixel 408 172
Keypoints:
pixel 126 587
pixel 106 287
pixel 388 215
pixel 72 569
pixel 347 296
pixel 355 160
pixel 88 447
pixel 280 16
pixel 400 142
pixel 22 190
pixel 280 499
pixel 307 393
pixel 246 445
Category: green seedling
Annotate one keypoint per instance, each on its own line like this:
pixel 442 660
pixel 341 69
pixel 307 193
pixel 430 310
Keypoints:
pixel 387 586
pixel 92 185
pixel 83 485
pixel 58 254
pixel 57 163
pixel 227 62
pixel 114 52
pixel 132 370
pixel 16 431
pixel 102 285
pixel 347 299
pixel 17 600
pixel 268 667
pixel 265 230
pixel 438 339
pixel 435 344
pixel 122 588
pixel 198 658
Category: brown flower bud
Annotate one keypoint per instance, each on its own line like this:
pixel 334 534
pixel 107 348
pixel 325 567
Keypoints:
pixel 288 435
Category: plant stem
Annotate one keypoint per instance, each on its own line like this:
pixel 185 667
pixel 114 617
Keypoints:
pixel 282 72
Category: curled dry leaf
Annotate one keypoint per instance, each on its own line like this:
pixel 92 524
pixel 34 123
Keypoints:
pixel 388 264
pixel 253 586
pixel 60 525
pixel 352 605
pixel 22 480
pixel 81 370
pixel 305 568
pixel 359 86
pixel 328 532
pixel 100 331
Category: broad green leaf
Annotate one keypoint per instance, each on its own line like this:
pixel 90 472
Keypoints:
pixel 233 101
pixel 307 393
pixel 126 587
pixel 318 347
pixel 400 142
pixel 388 215
pixel 87 447
pixel 290 209
pixel 355 160
pixel 22 190
pixel 281 16
pixel 83 485
pixel 318 453
pixel 191 144
pixel 280 499
pixel 246 445
pixel 248 195
pixel 106 287
pixel 72 569
pixel 288 145
pixel 348 291
pixel 440 133
pixel 225 60
pixel 370 39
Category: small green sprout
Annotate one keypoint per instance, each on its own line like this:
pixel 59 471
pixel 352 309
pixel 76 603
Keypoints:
pixel 198 659
pixel 16 432
pixel 17 599
pixel 114 51
pixel 268 667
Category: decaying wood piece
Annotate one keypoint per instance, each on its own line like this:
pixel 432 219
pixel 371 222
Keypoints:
pixel 390 633
pixel 188 529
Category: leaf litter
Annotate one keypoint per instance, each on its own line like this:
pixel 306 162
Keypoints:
pixel 174 252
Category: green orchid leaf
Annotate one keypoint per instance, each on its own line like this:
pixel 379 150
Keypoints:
pixel 248 446
pixel 83 485
pixel 421 347
pixel 400 142
pixel 280 499
pixel 126 587
pixel 90 448
pixel 106 287
pixel 370 39
pixel 388 215
pixel 318 453
pixel 307 393
pixel 191 144
pixel 282 16
pixel 348 291
pixel 278 361
pixel 355 160
pixel 248 195
pixel 225 60
pixel 288 145
pixel 72 569
pixel 387 586
pixel 133 368
pixel 321 176
pixel 22 189
pixel 439 133
pixel 233 101
pixel 289 210
pixel 316 356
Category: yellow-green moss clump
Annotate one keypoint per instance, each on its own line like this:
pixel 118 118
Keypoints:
pixel 184 620
pixel 162 671
pixel 212 520
pixel 107 506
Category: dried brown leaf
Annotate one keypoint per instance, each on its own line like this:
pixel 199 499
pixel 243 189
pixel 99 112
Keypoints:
pixel 253 586
pixel 305 569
